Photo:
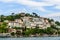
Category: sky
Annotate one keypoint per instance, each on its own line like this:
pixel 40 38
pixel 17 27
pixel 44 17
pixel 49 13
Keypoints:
pixel 44 8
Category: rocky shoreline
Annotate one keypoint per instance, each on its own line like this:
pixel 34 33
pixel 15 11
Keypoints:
pixel 6 35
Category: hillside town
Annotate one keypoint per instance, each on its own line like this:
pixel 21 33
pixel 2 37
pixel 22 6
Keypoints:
pixel 25 25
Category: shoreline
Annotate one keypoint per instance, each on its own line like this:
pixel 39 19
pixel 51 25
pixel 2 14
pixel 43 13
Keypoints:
pixel 28 36
pixel 8 35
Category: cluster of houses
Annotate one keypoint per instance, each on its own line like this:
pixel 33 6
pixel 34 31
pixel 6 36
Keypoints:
pixel 29 22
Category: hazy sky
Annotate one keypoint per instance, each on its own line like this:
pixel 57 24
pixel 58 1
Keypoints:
pixel 46 8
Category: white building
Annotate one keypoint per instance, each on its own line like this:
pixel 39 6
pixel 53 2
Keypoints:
pixel 30 22
pixel 16 23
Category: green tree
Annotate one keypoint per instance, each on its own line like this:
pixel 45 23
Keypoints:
pixel 49 30
pixel 2 18
pixel 17 16
pixel 3 28
pixel 13 34
pixel 18 33
pixel 58 23
pixel 34 14
pixel 27 32
pixel 12 16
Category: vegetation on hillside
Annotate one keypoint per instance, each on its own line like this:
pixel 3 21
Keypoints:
pixel 26 31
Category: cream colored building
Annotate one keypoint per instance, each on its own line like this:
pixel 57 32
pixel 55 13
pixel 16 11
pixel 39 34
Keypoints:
pixel 30 22
pixel 16 23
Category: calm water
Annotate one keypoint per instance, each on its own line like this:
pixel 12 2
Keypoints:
pixel 32 38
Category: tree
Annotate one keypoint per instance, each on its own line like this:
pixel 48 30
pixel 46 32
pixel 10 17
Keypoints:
pixel 41 31
pixel 13 34
pixel 59 32
pixel 37 29
pixel 49 30
pixel 3 27
pixel 34 14
pixel 17 16
pixel 27 14
pixel 33 31
pixel 54 27
pixel 13 13
pixel 12 16
pixel 52 20
pixel 58 23
pixel 16 28
pixel 2 18
pixel 27 32
pixel 18 33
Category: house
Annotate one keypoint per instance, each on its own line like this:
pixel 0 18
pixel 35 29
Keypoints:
pixel 16 23
pixel 10 30
pixel 11 24
pixel 30 22
pixel 6 21
pixel 57 26
pixel 19 21
pixel 22 14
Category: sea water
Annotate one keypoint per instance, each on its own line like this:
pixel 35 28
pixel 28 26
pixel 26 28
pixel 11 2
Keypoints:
pixel 32 38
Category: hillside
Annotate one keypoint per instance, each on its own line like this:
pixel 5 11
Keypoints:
pixel 28 24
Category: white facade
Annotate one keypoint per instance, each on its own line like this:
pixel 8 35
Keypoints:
pixel 36 22
pixel 14 24
pixel 30 22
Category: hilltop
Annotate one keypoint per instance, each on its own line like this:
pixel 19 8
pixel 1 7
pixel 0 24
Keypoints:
pixel 28 24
